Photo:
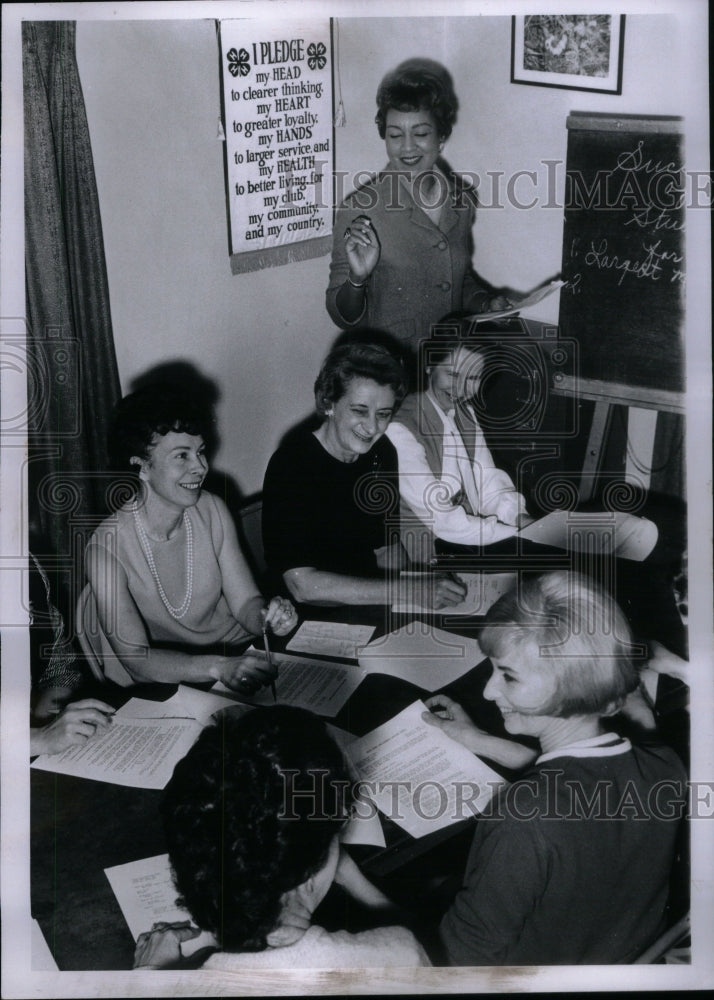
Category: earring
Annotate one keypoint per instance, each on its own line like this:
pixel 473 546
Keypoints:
pixel 134 460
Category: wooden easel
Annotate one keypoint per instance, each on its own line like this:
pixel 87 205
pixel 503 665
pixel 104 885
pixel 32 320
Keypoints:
pixel 606 395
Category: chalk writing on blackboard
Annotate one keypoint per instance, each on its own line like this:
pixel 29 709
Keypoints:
pixel 623 249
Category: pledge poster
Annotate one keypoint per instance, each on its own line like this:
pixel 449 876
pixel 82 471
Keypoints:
pixel 278 108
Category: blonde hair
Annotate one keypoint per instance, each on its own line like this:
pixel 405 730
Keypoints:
pixel 576 631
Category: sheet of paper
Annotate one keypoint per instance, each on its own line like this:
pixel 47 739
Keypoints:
pixel 187 703
pixel 320 685
pixel 145 893
pixel 598 532
pixel 419 777
pixel 331 639
pixel 137 752
pixel 146 708
pixel 531 299
pixel 364 826
pixel 201 705
pixel 428 657
pixel 482 590
pixel 42 957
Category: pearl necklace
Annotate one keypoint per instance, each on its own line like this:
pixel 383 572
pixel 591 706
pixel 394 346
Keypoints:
pixel 179 612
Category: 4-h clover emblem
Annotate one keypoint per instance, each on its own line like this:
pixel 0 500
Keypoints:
pixel 238 62
pixel 316 55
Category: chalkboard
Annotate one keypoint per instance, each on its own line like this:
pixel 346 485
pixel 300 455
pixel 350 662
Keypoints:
pixel 623 249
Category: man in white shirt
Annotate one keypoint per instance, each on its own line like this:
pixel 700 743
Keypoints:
pixel 450 488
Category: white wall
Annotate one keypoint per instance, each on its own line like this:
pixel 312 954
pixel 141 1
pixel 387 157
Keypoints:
pixel 152 95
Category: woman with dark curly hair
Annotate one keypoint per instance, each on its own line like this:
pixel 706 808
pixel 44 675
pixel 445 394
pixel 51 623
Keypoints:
pixel 402 248
pixel 252 817
pixel 171 597
pixel 328 495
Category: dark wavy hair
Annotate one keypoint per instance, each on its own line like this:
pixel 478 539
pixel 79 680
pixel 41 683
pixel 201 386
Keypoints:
pixel 154 410
pixel 570 627
pixel 358 359
pixel 250 813
pixel 418 85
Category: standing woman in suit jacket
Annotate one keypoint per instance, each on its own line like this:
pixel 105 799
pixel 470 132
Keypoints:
pixel 402 249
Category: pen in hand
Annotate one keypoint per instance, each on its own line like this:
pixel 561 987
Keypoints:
pixel 269 658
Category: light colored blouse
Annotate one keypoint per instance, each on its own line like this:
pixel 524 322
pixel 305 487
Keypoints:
pixel 208 620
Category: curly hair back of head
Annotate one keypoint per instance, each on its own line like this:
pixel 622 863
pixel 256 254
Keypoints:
pixel 249 814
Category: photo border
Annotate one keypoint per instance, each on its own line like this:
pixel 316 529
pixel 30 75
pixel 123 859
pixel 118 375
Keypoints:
pixel 612 84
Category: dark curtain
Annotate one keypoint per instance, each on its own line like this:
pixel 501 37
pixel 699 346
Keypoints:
pixel 73 381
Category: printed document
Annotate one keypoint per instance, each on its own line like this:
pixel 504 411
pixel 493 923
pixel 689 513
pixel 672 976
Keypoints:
pixel 331 639
pixel 145 893
pixel 418 776
pixel 137 752
pixel 320 685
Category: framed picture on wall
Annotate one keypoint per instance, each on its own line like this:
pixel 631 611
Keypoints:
pixel 571 51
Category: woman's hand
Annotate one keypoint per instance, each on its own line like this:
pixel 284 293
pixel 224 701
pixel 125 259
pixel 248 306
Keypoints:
pixel 450 717
pixel 280 616
pixel 446 590
pixel 50 702
pixel 78 723
pixel 362 247
pixel 637 707
pixel 664 662
pixel 447 715
pixel 499 303
pixel 161 946
pixel 296 909
pixel 247 674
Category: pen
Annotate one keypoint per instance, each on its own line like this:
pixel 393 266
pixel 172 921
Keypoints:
pixel 269 658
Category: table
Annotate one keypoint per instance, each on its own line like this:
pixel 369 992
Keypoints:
pixel 80 827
